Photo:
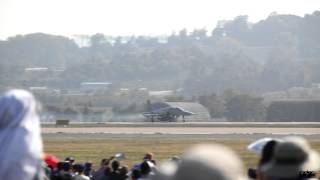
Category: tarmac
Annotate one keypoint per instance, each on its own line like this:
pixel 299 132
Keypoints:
pixel 180 130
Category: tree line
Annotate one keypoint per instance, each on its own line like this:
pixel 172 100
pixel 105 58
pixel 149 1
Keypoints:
pixel 276 53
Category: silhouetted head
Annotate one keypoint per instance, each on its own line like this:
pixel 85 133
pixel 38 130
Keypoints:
pixel 148 156
pixel 70 159
pixel 267 152
pixel 79 168
pixel 115 165
pixel 66 166
pixel 104 161
pixel 123 171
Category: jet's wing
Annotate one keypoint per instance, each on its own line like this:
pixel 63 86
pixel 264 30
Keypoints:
pixel 181 112
pixel 150 114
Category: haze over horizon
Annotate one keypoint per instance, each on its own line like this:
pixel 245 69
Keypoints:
pixel 141 17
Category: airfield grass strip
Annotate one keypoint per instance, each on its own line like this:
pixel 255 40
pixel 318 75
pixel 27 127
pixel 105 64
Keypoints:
pixel 94 150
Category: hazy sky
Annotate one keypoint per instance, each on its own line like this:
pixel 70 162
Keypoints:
pixel 134 17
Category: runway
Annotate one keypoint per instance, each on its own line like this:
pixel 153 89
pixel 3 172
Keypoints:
pixel 182 130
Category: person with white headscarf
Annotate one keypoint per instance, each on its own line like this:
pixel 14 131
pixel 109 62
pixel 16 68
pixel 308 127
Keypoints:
pixel 20 139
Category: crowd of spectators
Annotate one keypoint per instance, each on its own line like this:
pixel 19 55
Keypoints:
pixel 22 156
pixel 110 169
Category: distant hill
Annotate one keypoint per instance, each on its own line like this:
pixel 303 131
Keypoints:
pixel 277 53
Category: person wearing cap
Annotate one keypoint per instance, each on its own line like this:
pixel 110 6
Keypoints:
pixel 265 157
pixel 292 158
pixel 70 159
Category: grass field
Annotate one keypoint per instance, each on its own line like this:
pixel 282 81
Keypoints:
pixel 95 149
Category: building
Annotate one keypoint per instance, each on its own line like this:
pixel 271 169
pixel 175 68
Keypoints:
pixel 294 111
pixel 92 87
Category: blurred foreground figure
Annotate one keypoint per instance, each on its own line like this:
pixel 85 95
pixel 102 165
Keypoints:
pixel 292 159
pixel 205 162
pixel 264 148
pixel 20 139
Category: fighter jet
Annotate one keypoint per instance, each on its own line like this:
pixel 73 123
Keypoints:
pixel 167 114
